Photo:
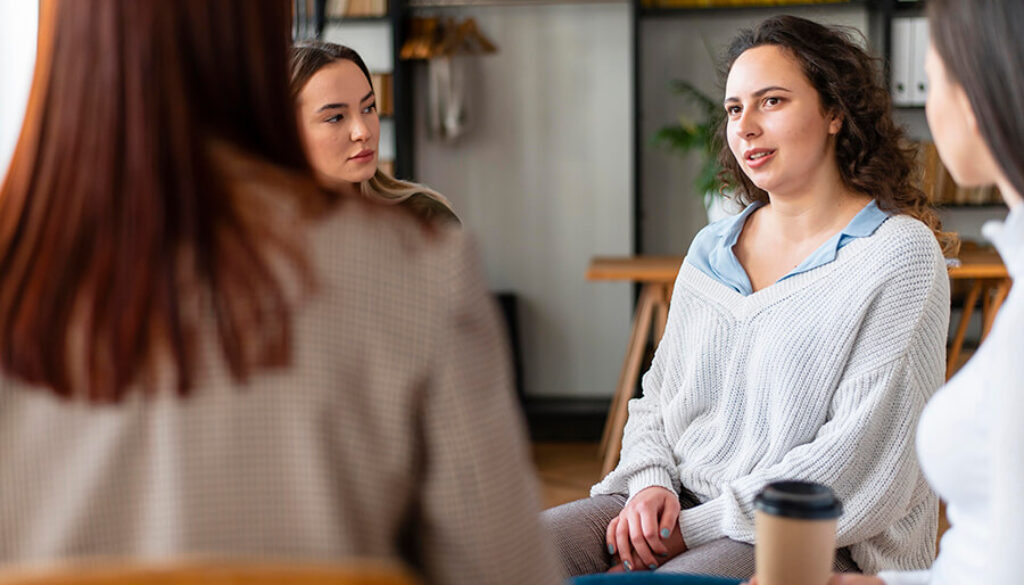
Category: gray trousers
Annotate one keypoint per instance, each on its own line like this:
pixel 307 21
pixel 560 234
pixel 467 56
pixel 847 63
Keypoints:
pixel 578 530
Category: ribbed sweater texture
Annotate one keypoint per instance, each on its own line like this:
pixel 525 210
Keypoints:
pixel 820 377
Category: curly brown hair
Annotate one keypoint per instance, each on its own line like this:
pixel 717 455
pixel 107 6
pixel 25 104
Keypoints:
pixel 871 150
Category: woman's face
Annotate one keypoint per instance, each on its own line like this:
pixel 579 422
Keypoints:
pixel 339 124
pixel 954 127
pixel 776 128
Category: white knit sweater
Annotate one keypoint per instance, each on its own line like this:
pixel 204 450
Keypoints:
pixel 970 442
pixel 820 377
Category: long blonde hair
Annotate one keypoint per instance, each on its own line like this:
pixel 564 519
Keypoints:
pixel 383 186
pixel 308 57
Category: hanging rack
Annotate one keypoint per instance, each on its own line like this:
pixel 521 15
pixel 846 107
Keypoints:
pixel 417 4
pixel 429 37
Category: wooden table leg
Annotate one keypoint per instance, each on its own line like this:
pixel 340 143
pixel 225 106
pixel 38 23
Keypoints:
pixel 639 329
pixel 627 380
pixel 961 330
pixel 652 312
pixel 986 304
pixel 661 314
pixel 1001 291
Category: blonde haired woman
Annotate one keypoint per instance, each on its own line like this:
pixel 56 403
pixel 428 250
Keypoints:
pixel 340 126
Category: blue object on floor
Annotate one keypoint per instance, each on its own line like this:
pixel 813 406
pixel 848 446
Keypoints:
pixel 645 578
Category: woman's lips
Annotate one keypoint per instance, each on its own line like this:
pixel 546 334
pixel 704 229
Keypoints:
pixel 362 157
pixel 758 157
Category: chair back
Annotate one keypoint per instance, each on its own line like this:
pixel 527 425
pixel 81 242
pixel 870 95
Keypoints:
pixel 211 573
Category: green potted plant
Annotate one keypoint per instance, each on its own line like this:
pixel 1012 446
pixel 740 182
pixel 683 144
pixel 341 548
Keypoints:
pixel 688 135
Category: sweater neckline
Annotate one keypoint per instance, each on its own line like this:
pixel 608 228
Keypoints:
pixel 745 306
pixel 741 305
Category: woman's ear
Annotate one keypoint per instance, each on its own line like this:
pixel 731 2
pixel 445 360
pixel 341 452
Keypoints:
pixel 964 105
pixel 835 124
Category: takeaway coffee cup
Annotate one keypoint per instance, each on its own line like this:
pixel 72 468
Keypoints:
pixel 795 525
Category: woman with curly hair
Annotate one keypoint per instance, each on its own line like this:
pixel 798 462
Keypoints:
pixel 805 334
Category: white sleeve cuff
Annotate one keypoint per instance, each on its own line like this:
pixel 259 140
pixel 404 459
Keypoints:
pixel 648 477
pixel 905 577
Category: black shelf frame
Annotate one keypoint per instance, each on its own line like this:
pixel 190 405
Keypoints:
pixel 401 92
pixel 687 11
pixel 635 14
pixel 903 7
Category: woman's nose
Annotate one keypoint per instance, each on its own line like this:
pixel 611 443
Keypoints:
pixel 747 126
pixel 360 130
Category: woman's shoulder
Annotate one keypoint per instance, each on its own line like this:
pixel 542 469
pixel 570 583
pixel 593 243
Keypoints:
pixel 363 250
pixel 902 239
pixel 901 225
pixel 430 209
pixel 365 231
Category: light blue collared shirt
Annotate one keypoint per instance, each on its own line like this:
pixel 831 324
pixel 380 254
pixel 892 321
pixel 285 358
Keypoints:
pixel 711 250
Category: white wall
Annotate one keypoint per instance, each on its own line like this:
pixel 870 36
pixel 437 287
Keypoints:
pixel 18 23
pixel 544 177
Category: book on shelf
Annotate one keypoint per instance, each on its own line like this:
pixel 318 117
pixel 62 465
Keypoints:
pixel 383 89
pixel 731 3
pixel 940 187
pixel 342 9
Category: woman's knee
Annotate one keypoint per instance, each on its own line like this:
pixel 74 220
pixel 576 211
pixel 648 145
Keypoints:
pixel 578 531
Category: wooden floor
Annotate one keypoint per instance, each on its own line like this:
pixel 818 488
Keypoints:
pixel 566 470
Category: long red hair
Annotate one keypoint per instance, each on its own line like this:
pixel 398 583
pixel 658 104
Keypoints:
pixel 115 196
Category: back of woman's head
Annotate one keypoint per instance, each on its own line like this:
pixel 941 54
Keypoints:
pixel 870 152
pixel 981 45
pixel 116 194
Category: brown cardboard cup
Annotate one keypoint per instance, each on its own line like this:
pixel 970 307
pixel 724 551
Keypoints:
pixel 795 528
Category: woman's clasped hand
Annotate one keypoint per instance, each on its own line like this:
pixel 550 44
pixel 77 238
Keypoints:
pixel 646 533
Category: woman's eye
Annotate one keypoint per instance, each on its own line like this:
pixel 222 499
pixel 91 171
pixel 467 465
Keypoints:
pixel 334 119
pixel 772 101
pixel 370 108
pixel 732 110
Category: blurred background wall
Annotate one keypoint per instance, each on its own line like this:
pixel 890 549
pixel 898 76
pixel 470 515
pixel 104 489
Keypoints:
pixel 18 23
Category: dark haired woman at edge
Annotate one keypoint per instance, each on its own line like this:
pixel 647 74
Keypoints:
pixel 804 335
pixel 971 438
pixel 340 126
pixel 205 354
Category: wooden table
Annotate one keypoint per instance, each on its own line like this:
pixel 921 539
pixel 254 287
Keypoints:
pixel 991 282
pixel 657 274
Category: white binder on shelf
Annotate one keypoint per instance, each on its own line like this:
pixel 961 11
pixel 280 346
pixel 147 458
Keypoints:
pixel 902 59
pixel 918 79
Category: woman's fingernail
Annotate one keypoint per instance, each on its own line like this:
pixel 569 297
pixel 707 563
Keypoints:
pixel 628 566
pixel 652 566
pixel 662 554
pixel 611 549
pixel 665 532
